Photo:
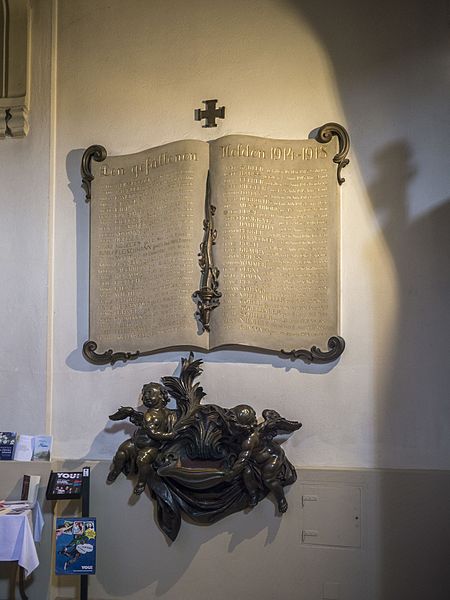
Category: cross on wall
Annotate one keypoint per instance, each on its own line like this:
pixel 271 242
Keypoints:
pixel 210 113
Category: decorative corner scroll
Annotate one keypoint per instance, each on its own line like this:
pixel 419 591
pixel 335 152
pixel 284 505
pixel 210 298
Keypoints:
pixel 98 153
pixel 207 297
pixel 325 134
pixel 108 357
pixel 336 346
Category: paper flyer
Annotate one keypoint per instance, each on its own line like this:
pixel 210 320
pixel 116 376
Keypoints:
pixel 24 448
pixel 42 447
pixel 7 443
pixel 75 546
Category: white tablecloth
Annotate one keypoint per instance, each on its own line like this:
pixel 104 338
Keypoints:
pixel 17 540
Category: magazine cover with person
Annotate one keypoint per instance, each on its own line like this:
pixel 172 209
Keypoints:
pixel 75 545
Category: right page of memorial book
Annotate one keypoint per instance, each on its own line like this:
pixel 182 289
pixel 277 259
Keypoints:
pixel 277 247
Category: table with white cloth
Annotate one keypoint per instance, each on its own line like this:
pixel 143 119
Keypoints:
pixel 18 534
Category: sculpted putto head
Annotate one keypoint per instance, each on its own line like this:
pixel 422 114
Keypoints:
pixel 245 415
pixel 154 394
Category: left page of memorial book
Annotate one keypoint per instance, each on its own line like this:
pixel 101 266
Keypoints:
pixel 147 211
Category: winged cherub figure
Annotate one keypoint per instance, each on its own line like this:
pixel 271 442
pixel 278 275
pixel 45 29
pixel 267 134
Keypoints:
pixel 263 461
pixel 155 426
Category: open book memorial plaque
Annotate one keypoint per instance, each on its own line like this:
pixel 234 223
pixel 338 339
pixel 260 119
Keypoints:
pixel 231 243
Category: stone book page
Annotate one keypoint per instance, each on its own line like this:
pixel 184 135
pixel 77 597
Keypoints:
pixel 277 220
pixel 147 211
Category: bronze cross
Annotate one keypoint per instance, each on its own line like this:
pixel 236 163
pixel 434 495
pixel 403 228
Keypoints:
pixel 211 113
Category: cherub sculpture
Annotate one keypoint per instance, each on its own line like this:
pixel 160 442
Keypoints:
pixel 261 460
pixel 155 426
pixel 202 460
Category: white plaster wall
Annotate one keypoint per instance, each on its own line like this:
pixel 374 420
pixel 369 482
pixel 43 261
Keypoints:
pixel 129 76
pixel 24 205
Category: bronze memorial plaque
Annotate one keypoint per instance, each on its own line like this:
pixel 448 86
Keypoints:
pixel 208 245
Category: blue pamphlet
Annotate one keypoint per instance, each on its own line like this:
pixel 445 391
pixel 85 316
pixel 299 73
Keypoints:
pixel 75 545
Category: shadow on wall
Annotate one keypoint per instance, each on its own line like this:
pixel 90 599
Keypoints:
pixel 412 410
pixel 388 61
pixel 73 162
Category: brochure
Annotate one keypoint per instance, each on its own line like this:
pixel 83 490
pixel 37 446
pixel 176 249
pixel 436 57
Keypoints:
pixel 75 545
pixel 64 485
pixel 42 447
pixel 33 447
pixel 7 443
pixel 24 448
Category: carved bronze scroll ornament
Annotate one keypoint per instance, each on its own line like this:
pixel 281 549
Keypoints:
pixel 97 153
pixel 325 135
pixel 336 346
pixel 201 460
pixel 208 296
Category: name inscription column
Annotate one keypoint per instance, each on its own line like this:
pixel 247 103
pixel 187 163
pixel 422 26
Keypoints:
pixel 278 241
pixel 146 211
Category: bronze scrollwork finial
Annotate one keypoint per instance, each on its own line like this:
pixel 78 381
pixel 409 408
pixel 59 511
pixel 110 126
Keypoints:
pixel 106 358
pixel 325 134
pixel 97 153
pixel 201 460
pixel 336 346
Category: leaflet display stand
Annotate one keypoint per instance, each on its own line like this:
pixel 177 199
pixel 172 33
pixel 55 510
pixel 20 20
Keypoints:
pixel 72 485
pixel 85 490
